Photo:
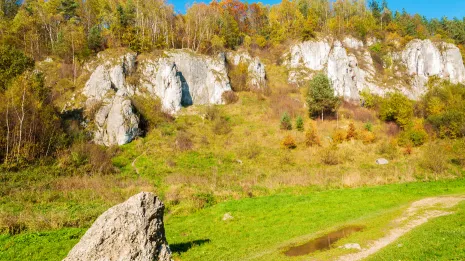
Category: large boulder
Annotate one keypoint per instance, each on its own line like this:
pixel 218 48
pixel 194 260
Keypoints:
pixel 132 230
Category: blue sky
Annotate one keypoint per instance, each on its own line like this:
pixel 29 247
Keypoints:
pixel 429 8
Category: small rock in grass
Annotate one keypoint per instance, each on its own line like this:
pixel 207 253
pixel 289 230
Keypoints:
pixel 382 161
pixel 227 216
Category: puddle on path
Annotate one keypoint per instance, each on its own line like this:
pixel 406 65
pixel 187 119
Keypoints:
pixel 322 243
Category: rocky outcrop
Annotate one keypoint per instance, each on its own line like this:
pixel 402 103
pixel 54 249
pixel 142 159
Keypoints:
pixel 116 122
pixel 349 65
pixel 204 78
pixel 132 230
pixel 178 78
pixel 425 59
pixel 256 72
pixel 333 58
pixel 182 78
pixel 161 79
pixel 106 91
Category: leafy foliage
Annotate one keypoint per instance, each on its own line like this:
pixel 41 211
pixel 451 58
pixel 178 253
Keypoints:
pixel 12 63
pixel 398 108
pixel 320 97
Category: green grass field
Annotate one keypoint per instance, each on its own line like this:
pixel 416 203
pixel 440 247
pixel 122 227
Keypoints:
pixel 263 227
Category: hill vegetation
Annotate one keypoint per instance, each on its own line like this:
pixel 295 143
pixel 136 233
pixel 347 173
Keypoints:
pixel 261 151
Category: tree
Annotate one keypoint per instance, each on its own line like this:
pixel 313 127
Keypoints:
pixel 29 124
pixel 286 122
pixel 299 124
pixel 12 63
pixel 320 97
pixel 68 9
pixel 95 40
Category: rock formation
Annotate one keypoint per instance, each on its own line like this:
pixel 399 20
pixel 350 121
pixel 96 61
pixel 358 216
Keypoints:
pixel 256 72
pixel 424 59
pixel 349 65
pixel 107 92
pixel 132 230
pixel 178 78
pixel 333 58
pixel 161 79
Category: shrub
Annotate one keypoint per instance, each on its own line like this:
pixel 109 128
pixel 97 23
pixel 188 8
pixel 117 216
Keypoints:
pixel 221 126
pixel 87 158
pixel 392 129
pixel 311 137
pixel 330 156
pixel 369 100
pixel 398 108
pixel 368 126
pixel 289 142
pixel 150 112
pixel 212 113
pixel 283 103
pixel 444 108
pixel 367 137
pixel 183 141
pixel 203 200
pixel 434 158
pixel 299 124
pixel 351 132
pixel 416 135
pixel 388 149
pixel 251 151
pixel 230 97
pixel 238 77
pixel 339 136
pixel 286 122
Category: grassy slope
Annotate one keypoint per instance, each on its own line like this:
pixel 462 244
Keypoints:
pixel 263 226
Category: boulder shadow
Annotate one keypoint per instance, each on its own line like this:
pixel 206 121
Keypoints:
pixel 183 247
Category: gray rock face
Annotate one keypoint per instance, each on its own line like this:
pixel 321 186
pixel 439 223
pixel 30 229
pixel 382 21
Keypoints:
pixel 425 59
pixel 255 69
pixel 350 66
pixel 132 230
pixel 115 120
pixel 204 79
pixel 161 79
pixel 182 78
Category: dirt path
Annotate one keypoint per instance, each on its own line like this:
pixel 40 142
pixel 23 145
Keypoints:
pixel 417 214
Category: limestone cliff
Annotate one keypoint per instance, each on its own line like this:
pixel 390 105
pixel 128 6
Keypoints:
pixel 350 67
pixel 178 78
